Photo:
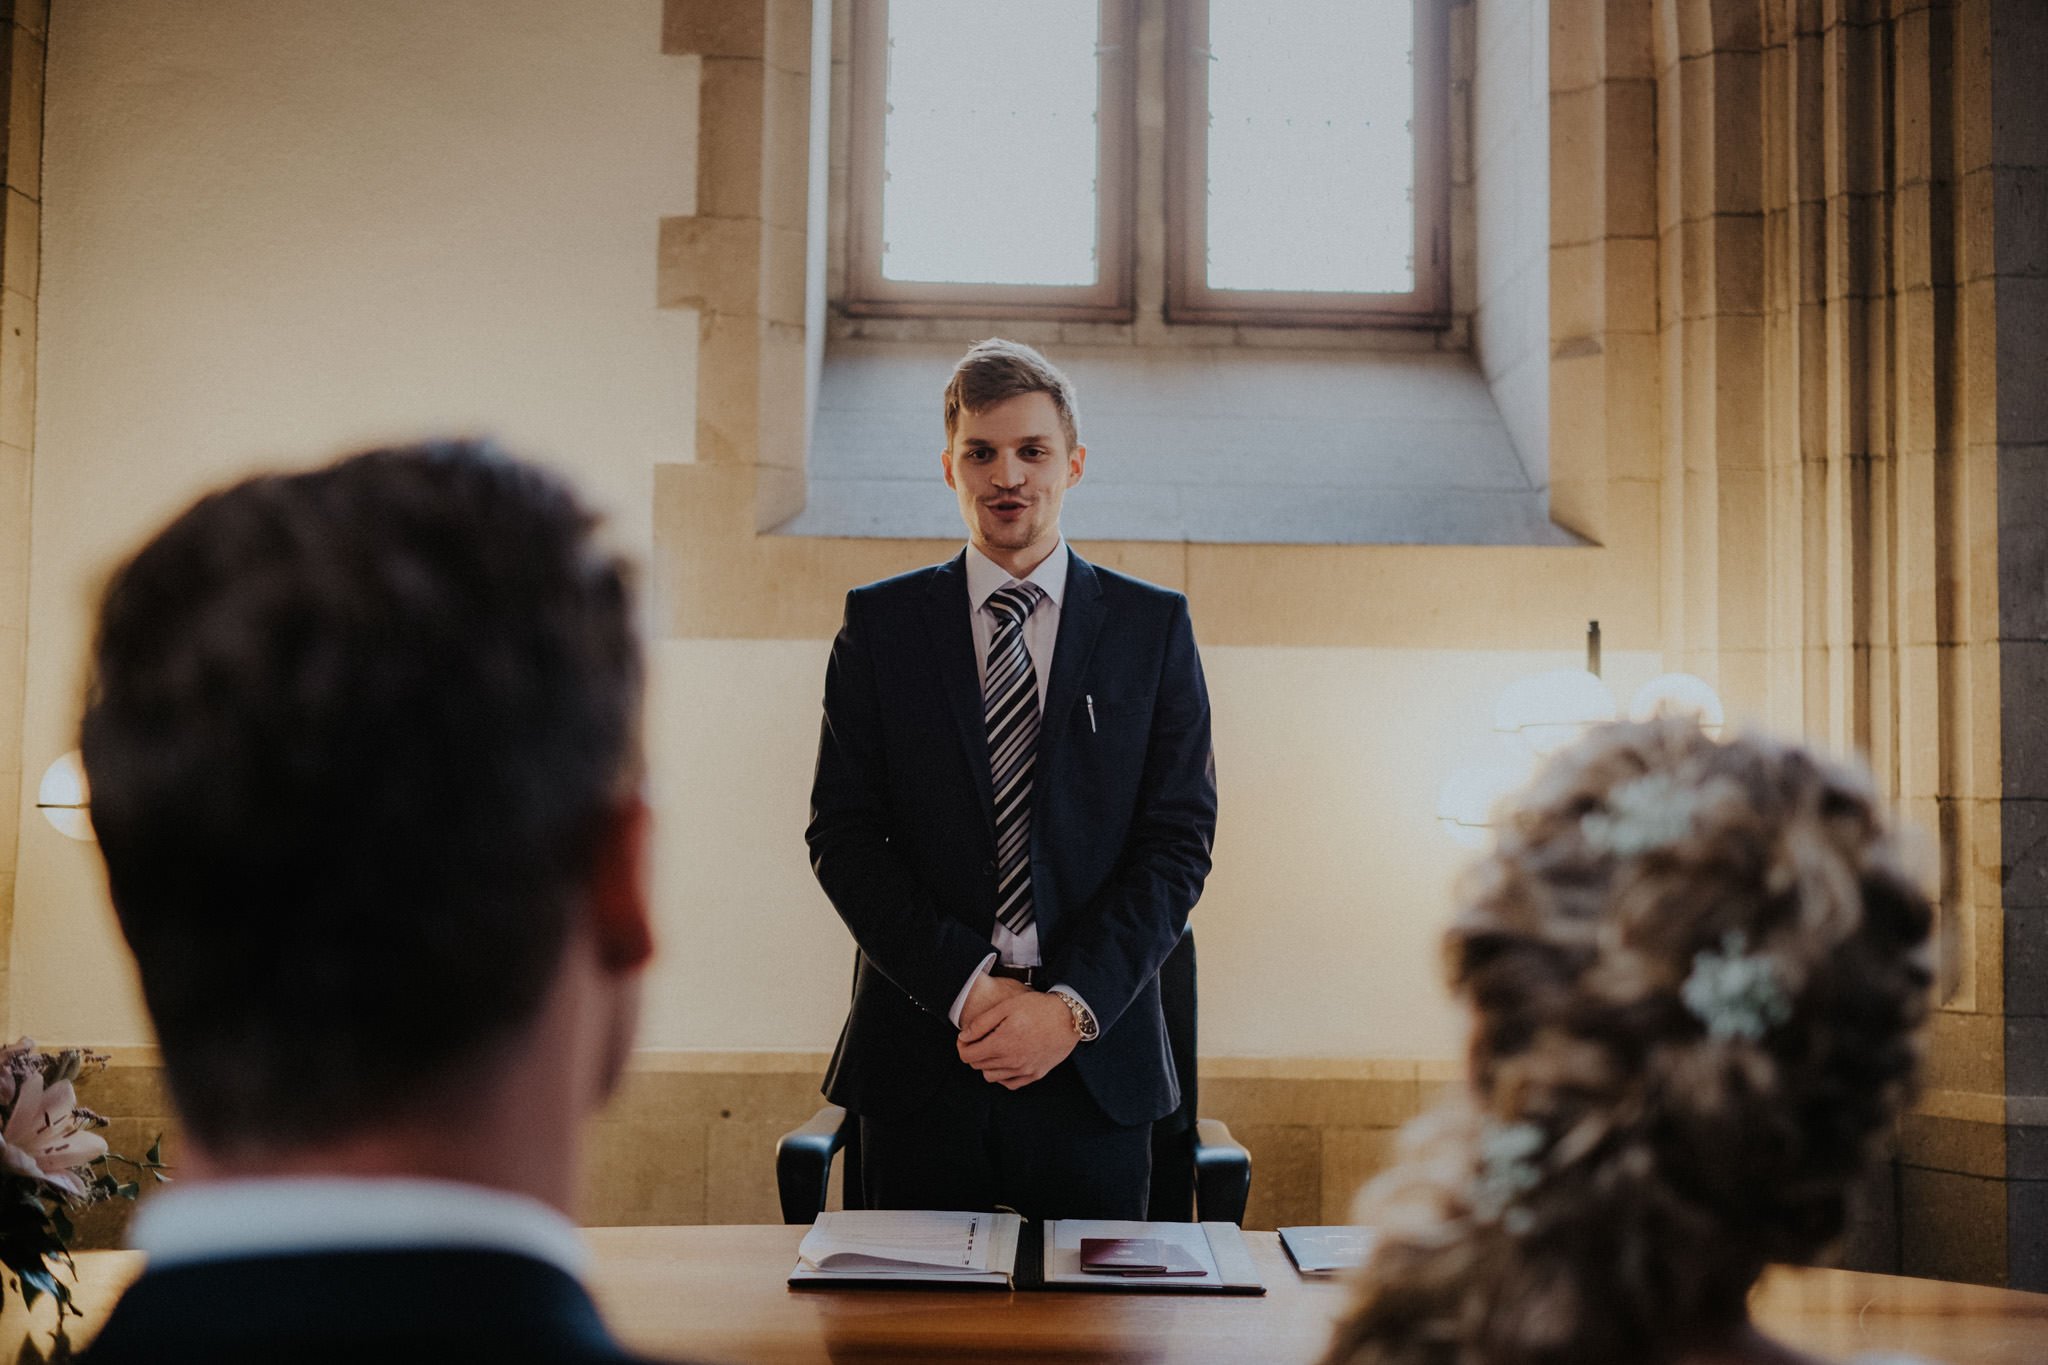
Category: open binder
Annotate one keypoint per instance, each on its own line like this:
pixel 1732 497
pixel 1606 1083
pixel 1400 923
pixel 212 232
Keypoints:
pixel 932 1249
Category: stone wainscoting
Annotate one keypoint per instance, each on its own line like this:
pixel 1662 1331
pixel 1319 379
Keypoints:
pixel 691 1139
pixel 691 1136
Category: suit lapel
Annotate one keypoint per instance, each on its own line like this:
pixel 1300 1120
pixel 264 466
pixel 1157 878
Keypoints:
pixel 1081 616
pixel 952 639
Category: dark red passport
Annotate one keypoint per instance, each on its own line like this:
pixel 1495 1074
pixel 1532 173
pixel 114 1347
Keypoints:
pixel 1135 1256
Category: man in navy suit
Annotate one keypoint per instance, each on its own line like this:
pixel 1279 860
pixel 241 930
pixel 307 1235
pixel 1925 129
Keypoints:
pixel 364 745
pixel 1013 811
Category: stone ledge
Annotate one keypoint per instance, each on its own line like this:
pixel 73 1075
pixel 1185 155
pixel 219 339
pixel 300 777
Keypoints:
pixel 713 577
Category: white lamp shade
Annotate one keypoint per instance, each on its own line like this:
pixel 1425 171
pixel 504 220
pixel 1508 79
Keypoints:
pixel 1550 710
pixel 64 798
pixel 1466 802
pixel 1679 694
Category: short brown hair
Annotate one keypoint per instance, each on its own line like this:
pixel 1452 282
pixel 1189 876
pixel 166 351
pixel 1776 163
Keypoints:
pixel 995 370
pixel 352 735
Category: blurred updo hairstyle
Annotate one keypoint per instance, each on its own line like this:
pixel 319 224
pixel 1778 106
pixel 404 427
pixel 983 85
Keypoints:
pixel 1696 971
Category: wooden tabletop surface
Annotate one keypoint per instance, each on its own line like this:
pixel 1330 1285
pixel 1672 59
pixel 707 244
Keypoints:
pixel 717 1293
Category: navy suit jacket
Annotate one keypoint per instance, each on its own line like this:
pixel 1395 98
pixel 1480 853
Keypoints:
pixel 326 1308
pixel 902 831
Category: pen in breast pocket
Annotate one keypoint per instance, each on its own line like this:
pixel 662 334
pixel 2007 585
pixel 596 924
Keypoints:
pixel 1090 699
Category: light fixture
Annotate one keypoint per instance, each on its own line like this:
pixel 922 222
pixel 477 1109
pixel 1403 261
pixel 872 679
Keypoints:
pixel 1540 714
pixel 1679 694
pixel 1550 710
pixel 64 798
pixel 1496 766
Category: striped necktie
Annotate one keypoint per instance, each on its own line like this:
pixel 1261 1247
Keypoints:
pixel 1009 694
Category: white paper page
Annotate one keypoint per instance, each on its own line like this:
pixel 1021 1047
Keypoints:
pixel 1063 1250
pixel 900 1242
pixel 1321 1250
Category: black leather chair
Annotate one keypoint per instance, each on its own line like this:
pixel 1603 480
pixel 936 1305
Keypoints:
pixel 1198 1170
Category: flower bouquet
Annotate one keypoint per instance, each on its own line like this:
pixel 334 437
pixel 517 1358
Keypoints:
pixel 52 1164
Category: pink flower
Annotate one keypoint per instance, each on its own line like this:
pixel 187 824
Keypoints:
pixel 48 1137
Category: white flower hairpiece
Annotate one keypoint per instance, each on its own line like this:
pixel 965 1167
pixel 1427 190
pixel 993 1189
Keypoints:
pixel 1736 993
pixel 1507 1171
pixel 1646 813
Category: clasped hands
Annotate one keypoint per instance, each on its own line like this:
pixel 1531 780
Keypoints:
pixel 1012 1034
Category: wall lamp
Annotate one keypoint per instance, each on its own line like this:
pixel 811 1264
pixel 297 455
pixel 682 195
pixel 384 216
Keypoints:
pixel 64 798
pixel 1536 716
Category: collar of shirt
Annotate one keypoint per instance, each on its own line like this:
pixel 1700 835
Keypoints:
pixel 233 1219
pixel 984 575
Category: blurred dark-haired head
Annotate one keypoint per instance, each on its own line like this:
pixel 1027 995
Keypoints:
pixel 353 737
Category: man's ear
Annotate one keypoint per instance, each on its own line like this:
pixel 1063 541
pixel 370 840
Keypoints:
pixel 946 464
pixel 1075 462
pixel 620 915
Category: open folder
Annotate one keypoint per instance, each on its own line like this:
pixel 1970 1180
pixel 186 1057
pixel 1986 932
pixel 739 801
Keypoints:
pixel 925 1248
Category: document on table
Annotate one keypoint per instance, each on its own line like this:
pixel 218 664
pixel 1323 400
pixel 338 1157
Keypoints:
pixel 920 1248
pixel 1327 1250
pixel 1218 1248
pixel 910 1245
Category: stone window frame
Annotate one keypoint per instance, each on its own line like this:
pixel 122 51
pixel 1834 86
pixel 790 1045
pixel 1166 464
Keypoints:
pixel 1189 299
pixel 870 293
pixel 739 261
pixel 1189 296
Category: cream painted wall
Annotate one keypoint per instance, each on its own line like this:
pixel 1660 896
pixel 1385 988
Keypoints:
pixel 1318 932
pixel 277 230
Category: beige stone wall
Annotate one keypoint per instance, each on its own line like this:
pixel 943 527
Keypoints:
pixel 717 577
pixel 1830 505
pixel 690 1138
pixel 21 172
pixel 1503 165
pixel 2011 337
pixel 1605 394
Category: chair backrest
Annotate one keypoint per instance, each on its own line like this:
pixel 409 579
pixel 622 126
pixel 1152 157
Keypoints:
pixel 1177 1001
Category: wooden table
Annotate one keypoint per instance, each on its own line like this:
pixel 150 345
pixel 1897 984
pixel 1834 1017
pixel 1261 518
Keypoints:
pixel 717 1293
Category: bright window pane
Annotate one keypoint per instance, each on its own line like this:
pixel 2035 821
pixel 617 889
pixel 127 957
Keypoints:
pixel 989 143
pixel 1311 156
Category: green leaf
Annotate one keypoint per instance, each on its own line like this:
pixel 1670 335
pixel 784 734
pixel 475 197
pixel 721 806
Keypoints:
pixel 155 1154
pixel 130 1190
pixel 62 1222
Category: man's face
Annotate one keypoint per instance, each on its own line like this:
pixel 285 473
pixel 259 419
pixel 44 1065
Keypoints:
pixel 1011 466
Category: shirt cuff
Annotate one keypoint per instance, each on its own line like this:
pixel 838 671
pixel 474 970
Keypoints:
pixel 960 1000
pixel 1075 996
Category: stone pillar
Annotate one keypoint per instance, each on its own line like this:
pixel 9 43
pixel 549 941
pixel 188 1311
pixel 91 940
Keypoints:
pixel 1710 192
pixel 1827 290
pixel 23 28
pixel 739 260
pixel 2012 193
pixel 1603 268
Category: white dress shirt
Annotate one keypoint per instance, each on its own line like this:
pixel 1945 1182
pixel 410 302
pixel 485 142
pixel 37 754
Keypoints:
pixel 1041 635
pixel 285 1216
pixel 1041 627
